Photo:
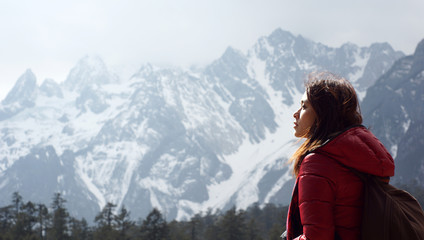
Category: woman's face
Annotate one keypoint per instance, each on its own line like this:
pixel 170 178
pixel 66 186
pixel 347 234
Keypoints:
pixel 305 117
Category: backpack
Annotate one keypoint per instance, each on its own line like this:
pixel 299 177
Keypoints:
pixel 388 212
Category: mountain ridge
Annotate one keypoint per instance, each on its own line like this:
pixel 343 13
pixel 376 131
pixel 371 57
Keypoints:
pixel 393 108
pixel 173 139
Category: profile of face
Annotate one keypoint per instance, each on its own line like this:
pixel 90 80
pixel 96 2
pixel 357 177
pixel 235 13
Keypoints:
pixel 304 117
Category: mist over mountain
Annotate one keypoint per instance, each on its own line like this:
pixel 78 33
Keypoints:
pixel 179 140
pixel 393 108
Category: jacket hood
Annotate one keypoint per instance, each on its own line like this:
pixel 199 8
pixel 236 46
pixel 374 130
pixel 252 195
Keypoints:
pixel 359 149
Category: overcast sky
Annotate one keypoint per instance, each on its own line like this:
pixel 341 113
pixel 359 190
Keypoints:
pixel 50 36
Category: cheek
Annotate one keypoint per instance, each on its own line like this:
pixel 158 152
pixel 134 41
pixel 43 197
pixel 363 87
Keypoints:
pixel 308 118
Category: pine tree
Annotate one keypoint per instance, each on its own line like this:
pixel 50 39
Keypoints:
pixel 23 218
pixel 43 219
pixel 106 223
pixel 179 230
pixel 6 222
pixel 255 225
pixel 106 218
pixel 268 213
pixel 17 230
pixel 196 227
pixel 59 219
pixel 124 224
pixel 253 231
pixel 17 202
pixel 26 220
pixel 154 227
pixel 211 227
pixel 233 225
pixel 276 231
pixel 79 229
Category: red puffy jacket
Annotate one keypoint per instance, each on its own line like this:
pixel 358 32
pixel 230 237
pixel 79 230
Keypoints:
pixel 327 197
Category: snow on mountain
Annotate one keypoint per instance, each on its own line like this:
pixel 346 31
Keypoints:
pixel 22 96
pixel 24 90
pixel 393 108
pixel 179 140
pixel 51 89
pixel 90 71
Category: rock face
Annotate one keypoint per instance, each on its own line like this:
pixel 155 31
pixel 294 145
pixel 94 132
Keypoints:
pixel 22 95
pixel 394 110
pixel 180 141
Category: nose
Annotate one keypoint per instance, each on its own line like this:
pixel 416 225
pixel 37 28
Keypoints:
pixel 296 114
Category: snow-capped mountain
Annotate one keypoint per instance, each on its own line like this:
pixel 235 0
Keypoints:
pixel 22 96
pixel 394 109
pixel 182 141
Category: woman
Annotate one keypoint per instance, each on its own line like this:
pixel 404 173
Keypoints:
pixel 327 197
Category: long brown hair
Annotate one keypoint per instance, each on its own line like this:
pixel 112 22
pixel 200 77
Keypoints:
pixel 336 106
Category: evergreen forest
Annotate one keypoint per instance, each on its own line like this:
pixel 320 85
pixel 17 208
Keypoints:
pixel 22 220
pixel 31 221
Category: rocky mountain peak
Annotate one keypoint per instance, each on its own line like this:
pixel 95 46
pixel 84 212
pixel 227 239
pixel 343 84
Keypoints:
pixel 384 49
pixel 172 139
pixel 393 109
pixel 90 71
pixel 144 71
pixel 24 91
pixel 418 64
pixel 50 88
pixel 419 50
pixel 349 46
pixel 231 53
pixel 279 36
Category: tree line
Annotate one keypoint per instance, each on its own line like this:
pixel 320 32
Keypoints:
pixel 34 221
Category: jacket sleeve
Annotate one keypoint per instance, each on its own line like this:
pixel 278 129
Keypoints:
pixel 316 200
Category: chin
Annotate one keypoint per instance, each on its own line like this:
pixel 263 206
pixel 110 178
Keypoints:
pixel 300 135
